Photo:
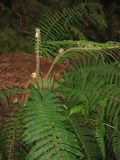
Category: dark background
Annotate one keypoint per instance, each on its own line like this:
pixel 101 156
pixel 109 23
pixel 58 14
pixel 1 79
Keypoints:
pixel 19 17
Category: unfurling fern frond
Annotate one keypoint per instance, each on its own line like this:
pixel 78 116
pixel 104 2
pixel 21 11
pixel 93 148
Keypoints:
pixel 46 131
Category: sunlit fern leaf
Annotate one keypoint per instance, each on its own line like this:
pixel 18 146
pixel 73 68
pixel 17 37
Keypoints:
pixel 45 129
pixel 116 144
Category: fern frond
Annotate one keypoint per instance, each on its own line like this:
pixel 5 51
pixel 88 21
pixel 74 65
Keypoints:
pixel 86 138
pixel 10 135
pixel 108 51
pixel 45 129
pixel 112 119
pixel 100 132
pixel 92 79
pixel 78 109
pixel 116 144
pixel 96 86
pixel 57 26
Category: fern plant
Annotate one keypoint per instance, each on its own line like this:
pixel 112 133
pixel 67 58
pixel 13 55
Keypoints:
pixel 93 92
pixel 60 25
pixel 11 128
pixel 45 128
pixel 11 136
pixel 77 117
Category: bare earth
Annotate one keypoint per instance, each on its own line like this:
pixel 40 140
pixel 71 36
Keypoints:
pixel 16 69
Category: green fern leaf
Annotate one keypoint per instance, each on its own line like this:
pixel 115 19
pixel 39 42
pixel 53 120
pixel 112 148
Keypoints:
pixel 97 86
pixel 108 51
pixel 46 130
pixel 100 132
pixel 11 135
pixel 58 26
pixel 86 138
pixel 116 144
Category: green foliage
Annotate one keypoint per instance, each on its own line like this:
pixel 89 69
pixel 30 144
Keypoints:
pixel 61 25
pixel 58 27
pixel 11 146
pixel 100 132
pixel 93 91
pixel 73 120
pixel 45 129
pixel 11 128
pixel 86 137
pixel 116 144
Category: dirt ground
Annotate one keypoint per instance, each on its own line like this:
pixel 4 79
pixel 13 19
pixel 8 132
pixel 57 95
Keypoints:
pixel 16 68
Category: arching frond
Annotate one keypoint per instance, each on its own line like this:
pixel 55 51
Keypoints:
pixel 109 51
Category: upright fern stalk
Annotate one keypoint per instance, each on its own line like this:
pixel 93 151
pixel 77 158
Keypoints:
pixel 36 74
